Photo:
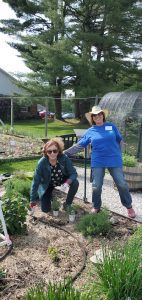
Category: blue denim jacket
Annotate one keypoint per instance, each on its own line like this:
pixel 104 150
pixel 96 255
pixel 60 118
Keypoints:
pixel 42 175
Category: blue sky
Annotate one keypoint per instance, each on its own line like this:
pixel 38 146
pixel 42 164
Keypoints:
pixel 9 57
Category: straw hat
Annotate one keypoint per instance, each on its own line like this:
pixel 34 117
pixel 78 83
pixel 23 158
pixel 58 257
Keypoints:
pixel 95 110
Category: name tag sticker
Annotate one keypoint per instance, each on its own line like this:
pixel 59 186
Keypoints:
pixel 108 127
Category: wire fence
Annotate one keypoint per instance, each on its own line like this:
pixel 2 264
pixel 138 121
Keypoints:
pixel 127 118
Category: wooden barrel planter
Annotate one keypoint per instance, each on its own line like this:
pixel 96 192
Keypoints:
pixel 133 176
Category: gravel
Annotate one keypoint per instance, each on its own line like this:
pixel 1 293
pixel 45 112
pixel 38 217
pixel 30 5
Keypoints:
pixel 110 196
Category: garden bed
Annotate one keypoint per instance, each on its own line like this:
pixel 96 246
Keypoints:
pixel 12 147
pixel 30 262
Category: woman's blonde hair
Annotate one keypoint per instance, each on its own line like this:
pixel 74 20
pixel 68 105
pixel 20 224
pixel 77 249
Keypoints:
pixel 57 141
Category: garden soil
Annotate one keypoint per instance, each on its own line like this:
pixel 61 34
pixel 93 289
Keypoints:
pixel 30 263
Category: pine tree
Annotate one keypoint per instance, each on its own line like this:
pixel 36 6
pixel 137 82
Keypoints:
pixel 85 45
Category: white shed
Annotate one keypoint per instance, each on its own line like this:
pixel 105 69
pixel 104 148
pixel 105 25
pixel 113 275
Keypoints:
pixel 8 84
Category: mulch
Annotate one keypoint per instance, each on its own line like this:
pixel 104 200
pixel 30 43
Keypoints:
pixel 30 263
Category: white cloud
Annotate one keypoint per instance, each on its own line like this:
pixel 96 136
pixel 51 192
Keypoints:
pixel 9 57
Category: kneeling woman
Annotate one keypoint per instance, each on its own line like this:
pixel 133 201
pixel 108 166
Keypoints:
pixel 53 169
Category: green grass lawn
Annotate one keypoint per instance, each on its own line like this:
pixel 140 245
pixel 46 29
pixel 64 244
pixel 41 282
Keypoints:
pixel 36 128
pixel 26 166
pixel 12 167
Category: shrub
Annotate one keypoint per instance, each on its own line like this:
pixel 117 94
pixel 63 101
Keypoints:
pixel 56 291
pixel 15 204
pixel 129 160
pixel 92 224
pixel 15 211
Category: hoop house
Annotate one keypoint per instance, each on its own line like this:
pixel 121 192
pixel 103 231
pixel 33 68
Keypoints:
pixel 125 109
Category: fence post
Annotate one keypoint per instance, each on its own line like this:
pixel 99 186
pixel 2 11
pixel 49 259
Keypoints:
pixel 11 114
pixel 85 167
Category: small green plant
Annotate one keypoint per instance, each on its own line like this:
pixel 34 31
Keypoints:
pixel 129 160
pixel 53 253
pixel 93 224
pixel 71 210
pixel 2 276
pixel 56 291
pixel 56 204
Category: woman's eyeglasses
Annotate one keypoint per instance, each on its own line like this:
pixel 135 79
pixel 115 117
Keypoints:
pixel 97 115
pixel 54 151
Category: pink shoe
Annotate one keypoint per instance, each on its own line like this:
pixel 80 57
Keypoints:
pixel 95 210
pixel 131 213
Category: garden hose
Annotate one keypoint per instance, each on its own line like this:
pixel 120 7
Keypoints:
pixel 7 252
pixel 78 242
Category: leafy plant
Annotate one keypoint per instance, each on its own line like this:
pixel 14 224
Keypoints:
pixel 129 160
pixel 15 204
pixel 53 253
pixel 120 274
pixel 15 211
pixel 55 204
pixel 56 291
pixel 92 224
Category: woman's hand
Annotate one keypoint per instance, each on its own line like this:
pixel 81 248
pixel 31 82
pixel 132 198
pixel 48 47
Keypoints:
pixel 64 187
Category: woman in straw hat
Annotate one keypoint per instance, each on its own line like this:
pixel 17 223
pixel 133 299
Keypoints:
pixel 105 139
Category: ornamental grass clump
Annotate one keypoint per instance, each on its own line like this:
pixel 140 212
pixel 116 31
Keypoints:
pixel 120 274
pixel 94 224
pixel 56 291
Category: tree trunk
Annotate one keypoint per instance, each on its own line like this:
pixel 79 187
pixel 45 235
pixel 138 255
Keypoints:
pixel 76 108
pixel 58 102
pixel 84 106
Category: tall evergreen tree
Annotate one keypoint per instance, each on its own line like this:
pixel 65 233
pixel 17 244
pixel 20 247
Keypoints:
pixel 86 45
